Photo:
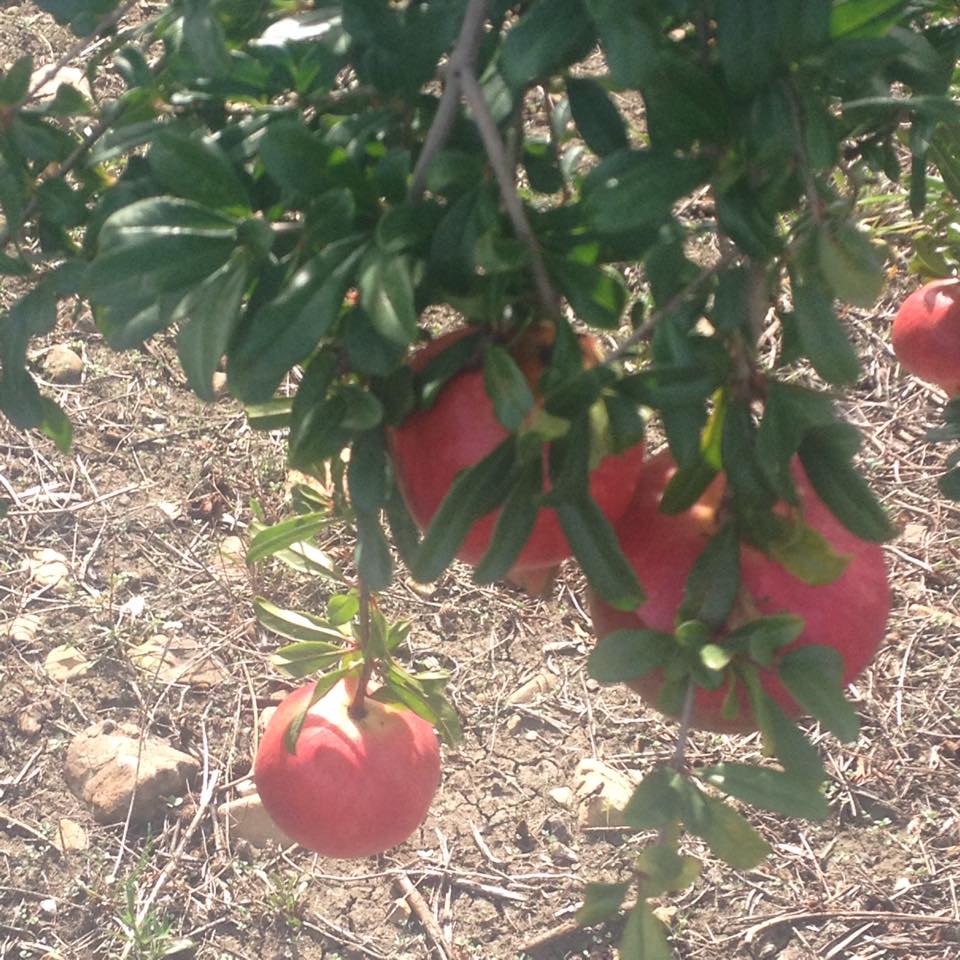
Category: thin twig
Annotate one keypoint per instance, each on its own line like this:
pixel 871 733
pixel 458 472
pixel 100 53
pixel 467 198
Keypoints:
pixel 463 58
pixel 424 914
pixel 644 331
pixel 497 154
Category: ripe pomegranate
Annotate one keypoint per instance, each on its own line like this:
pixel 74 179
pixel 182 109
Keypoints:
pixel 848 614
pixel 354 787
pixel 926 334
pixel 432 446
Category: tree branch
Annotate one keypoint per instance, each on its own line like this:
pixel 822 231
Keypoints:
pixel 463 59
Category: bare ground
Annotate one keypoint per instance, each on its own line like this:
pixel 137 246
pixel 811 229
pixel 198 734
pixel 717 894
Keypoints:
pixel 154 485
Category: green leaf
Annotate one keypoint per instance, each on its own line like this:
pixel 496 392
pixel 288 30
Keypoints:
pixel 282 535
pixel 713 582
pixel 764 636
pixel 783 738
pixel 949 484
pixel 822 337
pixel 863 17
pixel 644 936
pixel 550 35
pixel 685 487
pixel 814 676
pixel 203 37
pixel 297 625
pixel 597 118
pixel 374 563
pixel 15 83
pixel 626 654
pixel 342 608
pixel 514 524
pixel 594 544
pixel 286 329
pixel 748 39
pixel 768 789
pixel 596 293
pixel 367 471
pixel 472 495
pixel 507 388
pixel 601 901
pixel 316 419
pixel 851 264
pixel 208 315
pixel 56 424
pixel 386 292
pixel 272 415
pixel 807 554
pixel 728 834
pixel 630 190
pixel 842 489
pixel 629 42
pixel 664 870
pixel 307 657
pixel 322 687
pixel 654 803
pixel 198 170
pixel 157 246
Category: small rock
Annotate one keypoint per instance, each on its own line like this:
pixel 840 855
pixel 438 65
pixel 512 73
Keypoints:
pixel 28 723
pixel 23 629
pixel 603 793
pixel 51 83
pixel 249 821
pixel 65 663
pixel 543 682
pixel 49 568
pixel 48 906
pixel 107 761
pixel 219 384
pixel 178 661
pixel 562 796
pixel 62 365
pixel 665 915
pixel 69 835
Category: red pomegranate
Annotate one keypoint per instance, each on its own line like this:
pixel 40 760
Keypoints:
pixel 926 334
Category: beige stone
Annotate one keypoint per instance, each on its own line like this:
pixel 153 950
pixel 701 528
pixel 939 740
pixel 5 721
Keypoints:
pixel 108 764
pixel 603 793
pixel 49 568
pixel 248 820
pixel 178 660
pixel 219 384
pixel 62 365
pixel 69 835
pixel 65 662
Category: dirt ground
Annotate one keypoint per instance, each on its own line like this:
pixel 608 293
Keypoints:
pixel 157 482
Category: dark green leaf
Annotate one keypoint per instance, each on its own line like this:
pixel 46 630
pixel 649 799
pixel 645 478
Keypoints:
pixel 552 34
pixel 654 803
pixel 208 315
pixel 644 936
pixel 630 190
pixel 764 636
pixel 663 870
pixel 473 494
pixel 627 654
pixel 714 580
pixel 507 387
pixel 814 676
pixel 386 292
pixel 768 789
pixel 851 264
pixel 285 330
pixel 842 489
pixel 56 425
pixel 514 524
pixel 728 835
pixel 594 544
pixel 15 83
pixel 597 118
pixel 596 293
pixel 374 563
pixel 342 608
pixel 629 42
pixel 949 484
pixel 198 170
pixel 601 901
pixel 748 40
pixel 367 471
pixel 541 164
pixel 783 738
pixel 822 337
